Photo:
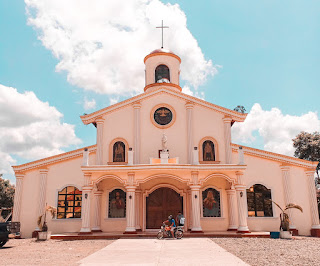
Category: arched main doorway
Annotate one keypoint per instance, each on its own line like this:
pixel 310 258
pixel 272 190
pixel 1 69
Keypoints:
pixel 160 204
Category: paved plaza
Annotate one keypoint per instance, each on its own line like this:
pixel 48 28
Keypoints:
pixel 187 251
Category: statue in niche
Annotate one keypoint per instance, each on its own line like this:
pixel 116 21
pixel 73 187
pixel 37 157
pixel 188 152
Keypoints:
pixel 208 151
pixel 164 143
pixel 118 152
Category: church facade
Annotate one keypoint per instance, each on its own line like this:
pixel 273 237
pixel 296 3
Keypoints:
pixel 159 153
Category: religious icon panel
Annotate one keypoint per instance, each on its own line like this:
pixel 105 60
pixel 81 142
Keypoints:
pixel 163 116
pixel 119 149
pixel 117 204
pixel 208 151
pixel 211 203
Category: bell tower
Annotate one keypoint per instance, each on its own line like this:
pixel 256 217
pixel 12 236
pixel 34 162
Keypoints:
pixel 162 68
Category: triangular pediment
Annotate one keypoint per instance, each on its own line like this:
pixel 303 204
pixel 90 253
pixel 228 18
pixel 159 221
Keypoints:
pixel 234 115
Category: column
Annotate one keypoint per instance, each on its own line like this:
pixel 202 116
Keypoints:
pixel 287 192
pixel 99 153
pixel 227 139
pixel 195 206
pixel 85 207
pixel 97 211
pixel 130 205
pixel 137 136
pixel 189 107
pixel 42 193
pixel 232 205
pixel 137 213
pixel 242 204
pixel 17 197
pixel 315 228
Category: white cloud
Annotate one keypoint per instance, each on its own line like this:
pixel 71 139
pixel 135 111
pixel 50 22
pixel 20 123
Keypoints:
pixel 276 128
pixel 30 128
pixel 114 100
pixel 101 44
pixel 187 90
pixel 89 104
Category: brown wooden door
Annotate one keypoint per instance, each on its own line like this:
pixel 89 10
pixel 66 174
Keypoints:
pixel 160 204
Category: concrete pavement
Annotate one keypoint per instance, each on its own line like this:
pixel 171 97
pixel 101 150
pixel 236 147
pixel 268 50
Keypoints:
pixel 187 251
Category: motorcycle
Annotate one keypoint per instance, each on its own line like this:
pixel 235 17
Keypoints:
pixel 165 232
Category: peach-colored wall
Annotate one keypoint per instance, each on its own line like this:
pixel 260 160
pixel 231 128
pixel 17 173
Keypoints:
pixel 268 173
pixel 120 124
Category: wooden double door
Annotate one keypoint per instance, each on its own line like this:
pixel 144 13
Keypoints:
pixel 160 204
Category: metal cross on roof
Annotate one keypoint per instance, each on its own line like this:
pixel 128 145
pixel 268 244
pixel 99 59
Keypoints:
pixel 162 27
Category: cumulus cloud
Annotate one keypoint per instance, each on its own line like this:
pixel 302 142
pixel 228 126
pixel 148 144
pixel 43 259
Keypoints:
pixel 101 44
pixel 30 128
pixel 276 128
pixel 89 104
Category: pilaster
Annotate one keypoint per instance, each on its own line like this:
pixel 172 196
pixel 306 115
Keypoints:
pixel 137 134
pixel 286 182
pixel 227 138
pixel 18 197
pixel 99 154
pixel 137 213
pixel 189 107
pixel 42 193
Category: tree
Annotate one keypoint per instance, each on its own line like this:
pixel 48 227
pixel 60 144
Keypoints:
pixel 240 109
pixel 307 147
pixel 6 193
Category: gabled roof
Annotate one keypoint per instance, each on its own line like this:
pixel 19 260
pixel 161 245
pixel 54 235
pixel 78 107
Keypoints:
pixel 234 115
pixel 53 159
pixel 284 159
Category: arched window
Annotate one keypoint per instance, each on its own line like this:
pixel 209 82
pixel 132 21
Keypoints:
pixel 162 74
pixel 69 203
pixel 117 204
pixel 211 203
pixel 119 152
pixel 208 152
pixel 259 204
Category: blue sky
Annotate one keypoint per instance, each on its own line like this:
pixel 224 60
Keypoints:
pixel 268 52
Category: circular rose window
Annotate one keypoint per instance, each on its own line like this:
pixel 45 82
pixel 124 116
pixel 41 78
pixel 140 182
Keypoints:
pixel 162 116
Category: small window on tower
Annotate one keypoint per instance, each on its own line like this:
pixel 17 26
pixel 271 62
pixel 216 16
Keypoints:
pixel 162 74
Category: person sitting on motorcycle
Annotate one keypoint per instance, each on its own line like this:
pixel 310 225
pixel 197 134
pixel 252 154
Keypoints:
pixel 172 224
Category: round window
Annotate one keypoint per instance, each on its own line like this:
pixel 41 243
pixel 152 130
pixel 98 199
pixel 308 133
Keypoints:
pixel 163 116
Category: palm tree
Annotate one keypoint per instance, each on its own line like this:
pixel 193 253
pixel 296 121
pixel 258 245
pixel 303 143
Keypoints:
pixel 284 217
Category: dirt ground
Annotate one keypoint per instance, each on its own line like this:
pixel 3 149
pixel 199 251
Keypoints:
pixel 51 252
pixel 254 251
pixel 266 251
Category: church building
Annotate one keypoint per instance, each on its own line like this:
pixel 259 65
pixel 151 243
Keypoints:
pixel 159 153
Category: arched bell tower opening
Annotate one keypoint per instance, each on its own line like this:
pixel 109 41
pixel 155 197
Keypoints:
pixel 162 69
pixel 162 74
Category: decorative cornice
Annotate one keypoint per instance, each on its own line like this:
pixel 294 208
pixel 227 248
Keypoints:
pixel 160 53
pixel 283 159
pixel 52 160
pixel 90 118
pixel 161 85
pixel 143 167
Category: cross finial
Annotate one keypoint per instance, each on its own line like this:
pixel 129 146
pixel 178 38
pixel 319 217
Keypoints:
pixel 162 27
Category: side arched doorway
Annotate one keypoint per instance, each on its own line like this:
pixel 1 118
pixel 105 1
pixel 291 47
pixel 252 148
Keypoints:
pixel 160 204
